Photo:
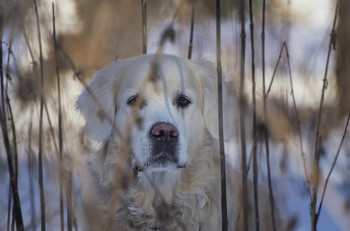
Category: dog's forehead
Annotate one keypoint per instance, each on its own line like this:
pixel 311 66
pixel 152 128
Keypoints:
pixel 166 72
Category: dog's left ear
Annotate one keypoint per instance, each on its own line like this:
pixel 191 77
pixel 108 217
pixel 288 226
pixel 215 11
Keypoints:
pixel 208 79
pixel 97 104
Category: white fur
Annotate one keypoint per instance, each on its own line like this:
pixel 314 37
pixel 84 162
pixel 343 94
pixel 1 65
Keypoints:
pixel 166 197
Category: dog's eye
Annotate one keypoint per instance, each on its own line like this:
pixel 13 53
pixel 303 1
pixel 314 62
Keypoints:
pixel 132 100
pixel 183 101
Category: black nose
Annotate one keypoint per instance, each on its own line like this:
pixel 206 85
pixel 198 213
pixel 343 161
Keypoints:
pixel 164 132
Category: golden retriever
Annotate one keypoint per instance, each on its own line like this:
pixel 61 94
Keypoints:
pixel 158 167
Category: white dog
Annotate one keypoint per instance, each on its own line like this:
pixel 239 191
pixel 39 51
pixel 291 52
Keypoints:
pixel 158 167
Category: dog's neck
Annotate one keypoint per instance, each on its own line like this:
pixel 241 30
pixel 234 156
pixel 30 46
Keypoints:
pixel 159 184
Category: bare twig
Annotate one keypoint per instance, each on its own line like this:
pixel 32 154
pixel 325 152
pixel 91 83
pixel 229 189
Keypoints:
pixel 60 137
pixel 190 45
pixel 333 165
pixel 274 72
pixel 31 162
pixel 314 214
pixel 69 201
pixel 298 123
pixel 255 163
pixel 272 206
pixel 14 189
pixel 9 206
pixel 14 138
pixel 68 188
pixel 17 211
pixel 220 116
pixel 242 118
pixel 40 154
pixel 11 120
pixel 144 26
pixel 263 51
pixel 1 67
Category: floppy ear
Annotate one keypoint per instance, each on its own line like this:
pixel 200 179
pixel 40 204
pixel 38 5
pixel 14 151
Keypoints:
pixel 97 104
pixel 208 79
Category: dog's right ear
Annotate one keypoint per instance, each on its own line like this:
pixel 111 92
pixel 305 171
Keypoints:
pixel 97 104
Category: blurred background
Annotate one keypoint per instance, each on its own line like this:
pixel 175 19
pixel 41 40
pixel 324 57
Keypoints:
pixel 303 61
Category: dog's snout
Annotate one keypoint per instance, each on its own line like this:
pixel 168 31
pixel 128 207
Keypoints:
pixel 165 132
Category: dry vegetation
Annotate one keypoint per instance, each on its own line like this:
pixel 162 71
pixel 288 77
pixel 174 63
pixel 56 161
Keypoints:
pixel 47 58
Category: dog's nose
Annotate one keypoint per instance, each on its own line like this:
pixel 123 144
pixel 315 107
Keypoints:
pixel 164 132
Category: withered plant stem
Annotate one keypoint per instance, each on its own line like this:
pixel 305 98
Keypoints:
pixel 220 122
pixel 242 111
pixel 315 176
pixel 144 26
pixel 40 154
pixel 333 165
pixel 190 45
pixel 266 134
pixel 298 123
pixel 17 211
pixel 255 161
pixel 60 138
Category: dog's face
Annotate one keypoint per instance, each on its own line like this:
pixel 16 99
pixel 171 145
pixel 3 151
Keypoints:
pixel 167 104
pixel 163 104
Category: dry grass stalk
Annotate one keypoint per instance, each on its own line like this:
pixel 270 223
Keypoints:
pixel 60 137
pixel 11 122
pixel 333 165
pixel 190 44
pixel 266 135
pixel 316 170
pixel 40 154
pixel 13 171
pixel 220 117
pixel 144 26
pixel 255 161
pixel 298 123
pixel 242 110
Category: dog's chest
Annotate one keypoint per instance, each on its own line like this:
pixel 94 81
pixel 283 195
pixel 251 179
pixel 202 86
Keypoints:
pixel 181 215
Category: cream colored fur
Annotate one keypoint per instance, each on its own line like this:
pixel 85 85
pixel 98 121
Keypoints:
pixel 117 197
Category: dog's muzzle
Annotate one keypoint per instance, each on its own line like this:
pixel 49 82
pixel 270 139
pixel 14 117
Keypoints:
pixel 164 140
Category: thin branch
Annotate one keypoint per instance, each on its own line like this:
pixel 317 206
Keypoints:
pixel 274 71
pixel 11 120
pixel 242 118
pixel 31 162
pixel 144 26
pixel 255 162
pixel 298 123
pixel 3 120
pixel 271 197
pixel 14 137
pixel 60 137
pixel 40 154
pixel 69 201
pixel 272 206
pixel 220 116
pixel 333 165
pixel 190 45
pixel 14 189
pixel 314 215
pixel 9 206
pixel 1 67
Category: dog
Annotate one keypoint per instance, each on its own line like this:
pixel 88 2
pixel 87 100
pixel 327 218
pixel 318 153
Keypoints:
pixel 158 166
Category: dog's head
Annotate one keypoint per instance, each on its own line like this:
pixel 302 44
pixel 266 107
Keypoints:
pixel 163 105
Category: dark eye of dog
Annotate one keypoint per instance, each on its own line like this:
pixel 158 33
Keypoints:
pixel 183 101
pixel 132 100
